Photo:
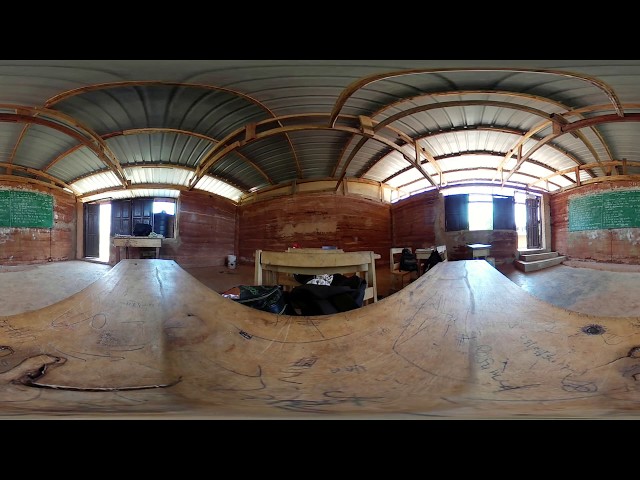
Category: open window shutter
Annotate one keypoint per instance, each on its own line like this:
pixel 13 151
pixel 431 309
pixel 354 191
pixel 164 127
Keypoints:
pixel 456 208
pixel 504 213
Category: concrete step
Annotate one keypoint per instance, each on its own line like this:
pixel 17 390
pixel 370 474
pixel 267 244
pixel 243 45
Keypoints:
pixel 530 251
pixel 538 264
pixel 537 256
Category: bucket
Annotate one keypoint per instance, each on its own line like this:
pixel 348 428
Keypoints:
pixel 231 261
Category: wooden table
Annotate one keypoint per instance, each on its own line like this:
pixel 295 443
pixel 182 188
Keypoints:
pixel 479 250
pixel 136 242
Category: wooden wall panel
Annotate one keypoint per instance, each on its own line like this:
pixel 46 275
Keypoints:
pixel 620 245
pixel 504 244
pixel 314 220
pixel 41 245
pixel 206 231
pixel 418 221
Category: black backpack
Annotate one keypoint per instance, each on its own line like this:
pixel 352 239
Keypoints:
pixel 433 260
pixel 141 230
pixel 408 261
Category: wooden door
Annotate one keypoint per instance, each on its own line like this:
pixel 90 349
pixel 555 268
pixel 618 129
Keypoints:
pixel 533 222
pixel 91 230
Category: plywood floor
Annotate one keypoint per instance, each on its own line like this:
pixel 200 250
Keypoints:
pixel 149 340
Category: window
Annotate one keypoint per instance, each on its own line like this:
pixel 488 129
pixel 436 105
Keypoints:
pixel 159 213
pixel 479 211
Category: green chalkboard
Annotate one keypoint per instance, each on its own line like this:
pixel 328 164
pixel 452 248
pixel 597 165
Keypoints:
pixel 20 208
pixel 619 209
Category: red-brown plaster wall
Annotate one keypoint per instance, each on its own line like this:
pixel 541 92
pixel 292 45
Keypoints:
pixel 620 245
pixel 41 245
pixel 206 231
pixel 314 220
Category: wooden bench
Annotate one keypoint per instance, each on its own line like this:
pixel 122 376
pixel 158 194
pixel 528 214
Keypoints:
pixel 395 253
pixel 278 268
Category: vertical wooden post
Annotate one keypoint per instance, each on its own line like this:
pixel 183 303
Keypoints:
pixel 250 131
pixel 577 170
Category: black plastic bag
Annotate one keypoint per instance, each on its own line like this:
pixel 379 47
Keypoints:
pixel 262 297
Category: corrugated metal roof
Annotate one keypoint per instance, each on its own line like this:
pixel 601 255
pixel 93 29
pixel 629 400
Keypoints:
pixel 9 133
pixel 459 108
pixel 40 145
pixel 159 147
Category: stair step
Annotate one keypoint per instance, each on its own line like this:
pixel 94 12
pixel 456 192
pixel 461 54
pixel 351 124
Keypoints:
pixel 529 251
pixel 537 256
pixel 538 264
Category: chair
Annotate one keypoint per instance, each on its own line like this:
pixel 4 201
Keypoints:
pixel 395 253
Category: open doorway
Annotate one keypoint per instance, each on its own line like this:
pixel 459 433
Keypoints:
pixel 97 229
pixel 528 225
pixel 105 231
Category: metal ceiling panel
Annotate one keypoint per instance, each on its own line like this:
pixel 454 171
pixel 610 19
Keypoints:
pixel 240 171
pixel 32 82
pixel 479 174
pixel 96 182
pixel 369 155
pixel 318 151
pixel 405 178
pixel 470 141
pixel 273 155
pixel 552 157
pixel 133 193
pixel 151 175
pixel 212 185
pixel 41 145
pixel 535 170
pixel 9 133
pixel 79 163
pixel 209 112
pixel 456 117
pixel 482 160
pixel 388 166
pixel 159 147
pixel 622 139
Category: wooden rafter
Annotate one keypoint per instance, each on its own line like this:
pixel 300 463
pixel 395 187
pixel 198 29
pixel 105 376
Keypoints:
pixel 433 106
pixel 150 83
pixel 38 173
pixel 16 178
pixel 587 166
pixel 363 82
pixel 138 131
pixel 228 145
pixel 113 164
pixel 397 103
pixel 570 127
pixel 68 125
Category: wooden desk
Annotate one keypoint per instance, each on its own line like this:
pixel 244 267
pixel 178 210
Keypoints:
pixel 137 242
pixel 278 268
pixel 479 250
